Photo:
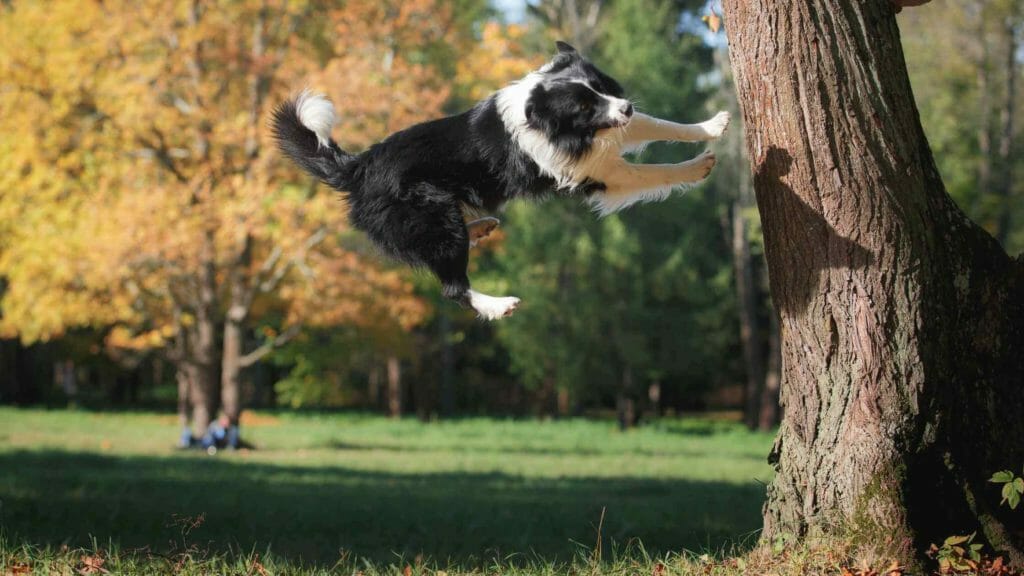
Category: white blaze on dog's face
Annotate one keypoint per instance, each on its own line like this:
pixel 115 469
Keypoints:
pixel 568 116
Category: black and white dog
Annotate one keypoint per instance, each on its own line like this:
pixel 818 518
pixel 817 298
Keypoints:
pixel 561 129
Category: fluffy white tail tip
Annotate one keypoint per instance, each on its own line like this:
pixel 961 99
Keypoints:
pixel 316 113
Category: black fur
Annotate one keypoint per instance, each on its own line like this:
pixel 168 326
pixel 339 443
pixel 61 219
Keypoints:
pixel 408 191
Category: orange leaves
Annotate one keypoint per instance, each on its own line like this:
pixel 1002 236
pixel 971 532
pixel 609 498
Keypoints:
pixel 133 158
pixel 92 565
pixel 894 569
pixel 384 73
pixel 499 59
pixel 713 20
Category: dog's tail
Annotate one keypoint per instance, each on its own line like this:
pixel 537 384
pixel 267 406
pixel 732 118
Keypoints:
pixel 302 128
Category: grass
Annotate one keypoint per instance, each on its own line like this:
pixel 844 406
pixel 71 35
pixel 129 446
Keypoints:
pixel 369 494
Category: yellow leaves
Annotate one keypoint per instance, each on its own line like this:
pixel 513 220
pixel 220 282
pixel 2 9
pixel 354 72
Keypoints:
pixel 130 134
pixel 499 59
pixel 713 20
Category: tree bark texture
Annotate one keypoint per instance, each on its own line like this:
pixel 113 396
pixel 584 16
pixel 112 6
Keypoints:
pixel 901 320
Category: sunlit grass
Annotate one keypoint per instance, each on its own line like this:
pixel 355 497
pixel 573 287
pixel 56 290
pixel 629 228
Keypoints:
pixel 319 489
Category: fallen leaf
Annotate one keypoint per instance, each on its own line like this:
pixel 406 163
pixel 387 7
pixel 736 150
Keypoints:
pixel 407 571
pixel 92 565
pixel 659 569
pixel 17 568
pixel 714 21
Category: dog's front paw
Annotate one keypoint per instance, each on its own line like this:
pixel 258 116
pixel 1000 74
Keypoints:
pixel 717 125
pixel 492 307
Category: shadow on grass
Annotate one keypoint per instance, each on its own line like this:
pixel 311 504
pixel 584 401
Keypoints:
pixel 312 513
pixel 510 452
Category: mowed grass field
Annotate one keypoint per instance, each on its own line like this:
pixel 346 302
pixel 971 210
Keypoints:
pixel 319 488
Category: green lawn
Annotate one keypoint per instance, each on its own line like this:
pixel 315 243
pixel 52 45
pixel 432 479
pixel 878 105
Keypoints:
pixel 320 488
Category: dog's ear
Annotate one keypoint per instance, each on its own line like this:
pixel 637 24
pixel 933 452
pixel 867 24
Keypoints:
pixel 565 57
pixel 564 48
pixel 538 114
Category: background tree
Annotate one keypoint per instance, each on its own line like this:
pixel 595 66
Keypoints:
pixel 145 201
pixel 976 45
pixel 901 319
pixel 621 307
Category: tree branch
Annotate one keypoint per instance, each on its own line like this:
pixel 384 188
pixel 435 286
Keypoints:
pixel 264 349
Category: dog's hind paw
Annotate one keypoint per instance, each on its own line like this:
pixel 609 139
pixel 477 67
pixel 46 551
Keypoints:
pixel 493 307
pixel 480 229
pixel 716 126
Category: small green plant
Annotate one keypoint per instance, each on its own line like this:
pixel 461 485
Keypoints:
pixel 957 553
pixel 1013 487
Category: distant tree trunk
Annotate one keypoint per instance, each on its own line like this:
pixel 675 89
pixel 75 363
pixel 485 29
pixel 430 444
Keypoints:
pixel 564 402
pixel 202 349
pixel 625 406
pixel 447 364
pixel 1007 158
pixel 747 305
pixel 184 386
pixel 373 387
pixel 202 394
pixel 984 75
pixel 231 378
pixel 902 321
pixel 231 372
pixel 654 397
pixel 768 416
pixel 394 368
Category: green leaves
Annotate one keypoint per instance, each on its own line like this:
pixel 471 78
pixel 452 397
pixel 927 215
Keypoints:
pixel 1013 487
pixel 957 553
pixel 1002 477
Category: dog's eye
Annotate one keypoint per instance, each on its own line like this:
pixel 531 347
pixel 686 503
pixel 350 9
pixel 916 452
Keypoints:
pixel 585 106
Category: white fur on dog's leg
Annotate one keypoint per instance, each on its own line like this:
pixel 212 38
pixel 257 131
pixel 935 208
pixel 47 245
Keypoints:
pixel 492 307
pixel 716 126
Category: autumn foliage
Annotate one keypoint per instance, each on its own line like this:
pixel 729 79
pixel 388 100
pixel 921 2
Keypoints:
pixel 141 196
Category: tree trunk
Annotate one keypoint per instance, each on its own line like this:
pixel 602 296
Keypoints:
pixel 394 387
pixel 231 378
pixel 768 417
pixel 373 387
pixel 901 320
pixel 447 364
pixel 625 406
pixel 984 123
pixel 564 402
pixel 203 396
pixel 202 343
pixel 184 386
pixel 747 308
pixel 1007 158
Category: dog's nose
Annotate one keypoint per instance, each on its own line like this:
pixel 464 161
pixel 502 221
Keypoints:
pixel 627 110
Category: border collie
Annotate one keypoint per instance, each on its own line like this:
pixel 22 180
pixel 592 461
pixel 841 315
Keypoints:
pixel 562 129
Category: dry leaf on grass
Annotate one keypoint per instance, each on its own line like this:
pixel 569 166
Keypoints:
pixel 17 569
pixel 93 565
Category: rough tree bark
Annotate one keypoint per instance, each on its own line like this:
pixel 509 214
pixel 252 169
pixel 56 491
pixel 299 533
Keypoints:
pixel 902 321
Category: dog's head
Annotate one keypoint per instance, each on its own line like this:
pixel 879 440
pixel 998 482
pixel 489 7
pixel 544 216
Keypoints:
pixel 573 101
